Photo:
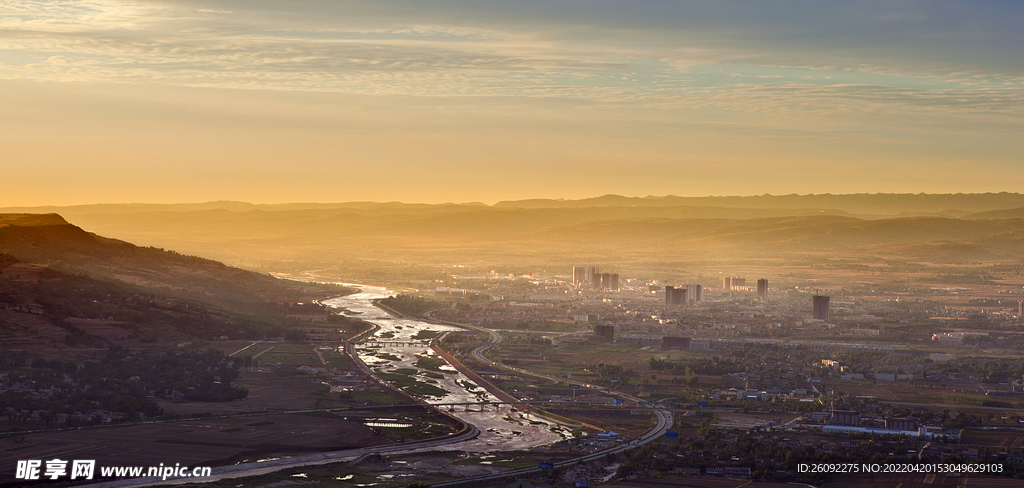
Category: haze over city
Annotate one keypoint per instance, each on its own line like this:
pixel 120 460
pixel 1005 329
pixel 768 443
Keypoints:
pixel 511 244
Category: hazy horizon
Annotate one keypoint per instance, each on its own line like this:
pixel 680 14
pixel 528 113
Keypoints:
pixel 450 242
pixel 492 203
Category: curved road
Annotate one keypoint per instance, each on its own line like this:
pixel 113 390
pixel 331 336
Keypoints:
pixel 664 422
pixel 664 417
pixel 259 468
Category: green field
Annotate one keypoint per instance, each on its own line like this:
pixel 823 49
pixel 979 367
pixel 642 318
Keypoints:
pixel 271 357
pixel 980 400
pixel 412 385
pixel 360 397
pixel 990 438
pixel 432 363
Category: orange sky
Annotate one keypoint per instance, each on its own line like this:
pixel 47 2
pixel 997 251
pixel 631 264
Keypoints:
pixel 110 101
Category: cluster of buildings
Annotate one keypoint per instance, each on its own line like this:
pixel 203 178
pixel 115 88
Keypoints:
pixel 654 314
pixel 585 474
pixel 725 471
pixel 683 295
pixel 851 421
pixel 592 275
pixel 457 292
pixel 955 338
pixel 38 391
pixel 740 284
pixel 648 308
pixel 34 389
pixel 608 333
pixel 769 394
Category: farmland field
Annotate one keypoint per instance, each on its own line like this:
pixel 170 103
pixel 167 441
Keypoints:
pixel 209 442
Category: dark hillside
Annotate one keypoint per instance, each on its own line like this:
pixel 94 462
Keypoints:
pixel 56 270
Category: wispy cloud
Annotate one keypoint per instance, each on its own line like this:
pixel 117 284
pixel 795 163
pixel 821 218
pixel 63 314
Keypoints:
pixel 236 47
pixel 644 75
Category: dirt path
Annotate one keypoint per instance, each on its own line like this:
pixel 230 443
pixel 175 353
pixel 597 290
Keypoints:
pixel 320 355
pixel 263 352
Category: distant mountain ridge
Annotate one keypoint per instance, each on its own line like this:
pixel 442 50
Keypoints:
pixel 862 204
pixel 951 227
pixel 1008 213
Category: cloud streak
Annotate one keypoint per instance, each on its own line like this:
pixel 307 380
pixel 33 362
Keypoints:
pixel 235 47
pixel 803 72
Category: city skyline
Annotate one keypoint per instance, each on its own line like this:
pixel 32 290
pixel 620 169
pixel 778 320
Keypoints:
pixel 405 243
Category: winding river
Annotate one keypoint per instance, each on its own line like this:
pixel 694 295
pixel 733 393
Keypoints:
pixel 500 430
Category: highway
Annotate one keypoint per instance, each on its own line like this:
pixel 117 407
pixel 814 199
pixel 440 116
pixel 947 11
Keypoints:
pixel 664 421
pixel 663 416
pixel 269 466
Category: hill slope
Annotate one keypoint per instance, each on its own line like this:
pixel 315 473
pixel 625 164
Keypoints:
pixel 609 228
pixel 59 271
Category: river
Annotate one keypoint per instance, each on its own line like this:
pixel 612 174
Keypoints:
pixel 500 430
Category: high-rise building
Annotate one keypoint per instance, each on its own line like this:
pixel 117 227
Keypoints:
pixel 694 293
pixel 679 296
pixel 615 282
pixel 675 296
pixel 605 333
pixel 762 289
pixel 739 281
pixel 727 283
pixel 594 276
pixel 606 281
pixel 1020 308
pixel 821 307
pixel 579 274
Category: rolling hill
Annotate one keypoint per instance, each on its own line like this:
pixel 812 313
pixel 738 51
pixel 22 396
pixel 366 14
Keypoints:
pixel 924 227
pixel 58 271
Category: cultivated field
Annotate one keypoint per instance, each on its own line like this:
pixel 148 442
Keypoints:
pixel 202 442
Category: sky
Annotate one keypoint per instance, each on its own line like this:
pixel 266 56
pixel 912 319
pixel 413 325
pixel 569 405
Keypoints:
pixel 272 101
